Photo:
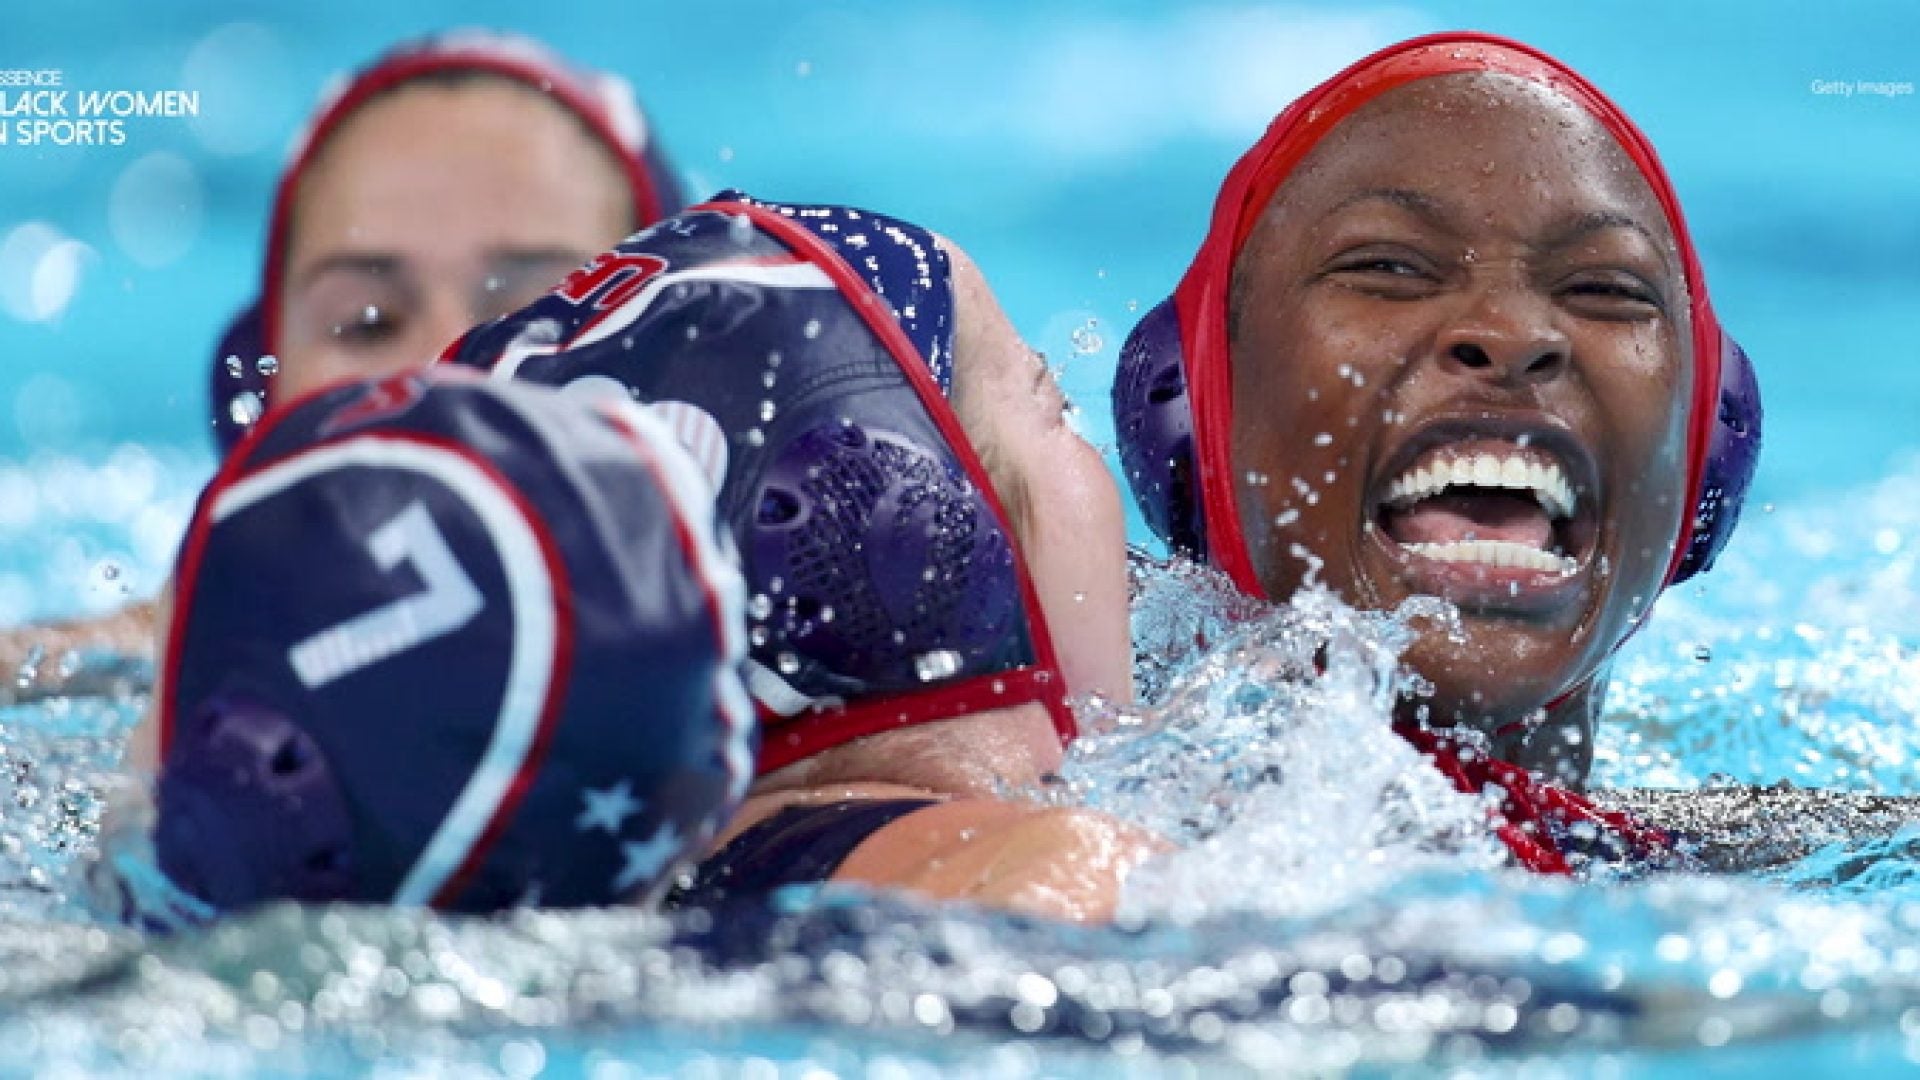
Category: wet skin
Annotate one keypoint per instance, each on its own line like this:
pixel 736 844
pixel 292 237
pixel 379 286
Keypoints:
pixel 1468 264
pixel 431 210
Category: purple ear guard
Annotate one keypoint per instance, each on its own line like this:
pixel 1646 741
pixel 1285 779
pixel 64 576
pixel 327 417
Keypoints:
pixel 886 560
pixel 249 809
pixel 238 379
pixel 1154 421
pixel 1155 427
pixel 446 642
pixel 1732 456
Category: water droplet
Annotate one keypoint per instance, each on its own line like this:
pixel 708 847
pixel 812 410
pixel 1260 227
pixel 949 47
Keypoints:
pixel 766 411
pixel 788 663
pixel 235 367
pixel 245 407
pixel 756 437
pixel 1323 439
pixel 1133 305
pixel 811 330
pixel 1087 339
pixel 1702 653
pixel 268 365
pixel 760 606
pixel 803 69
pixel 938 664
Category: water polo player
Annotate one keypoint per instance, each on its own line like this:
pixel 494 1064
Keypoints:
pixel 515 682
pixel 450 181
pixel 1447 335
pixel 934 559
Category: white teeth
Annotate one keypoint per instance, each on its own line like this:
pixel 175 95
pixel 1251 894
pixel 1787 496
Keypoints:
pixel 1496 553
pixel 1544 480
pixel 1514 474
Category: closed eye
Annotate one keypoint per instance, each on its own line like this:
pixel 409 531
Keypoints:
pixel 1384 275
pixel 1614 297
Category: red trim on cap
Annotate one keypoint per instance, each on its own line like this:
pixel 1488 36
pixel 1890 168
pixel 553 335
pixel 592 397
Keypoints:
pixel 552 79
pixel 785 740
pixel 193 549
pixel 1202 296
pixel 810 733
pixel 560 670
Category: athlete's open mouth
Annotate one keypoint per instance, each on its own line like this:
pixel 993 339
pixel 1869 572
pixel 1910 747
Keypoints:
pixel 1488 503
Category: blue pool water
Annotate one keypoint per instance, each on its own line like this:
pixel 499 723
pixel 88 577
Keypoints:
pixel 1073 149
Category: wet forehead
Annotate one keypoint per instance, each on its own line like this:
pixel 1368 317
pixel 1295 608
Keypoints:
pixel 1517 154
pixel 449 172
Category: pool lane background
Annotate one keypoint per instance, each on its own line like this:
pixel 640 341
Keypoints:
pixel 1073 148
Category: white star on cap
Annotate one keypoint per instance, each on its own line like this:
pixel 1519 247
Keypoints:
pixel 646 859
pixel 607 809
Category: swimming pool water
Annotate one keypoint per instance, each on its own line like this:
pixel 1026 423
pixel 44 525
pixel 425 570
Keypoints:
pixel 1073 149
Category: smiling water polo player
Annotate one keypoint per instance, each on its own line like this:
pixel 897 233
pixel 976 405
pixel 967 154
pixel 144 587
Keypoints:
pixel 445 641
pixel 1447 335
pixel 450 181
pixel 934 559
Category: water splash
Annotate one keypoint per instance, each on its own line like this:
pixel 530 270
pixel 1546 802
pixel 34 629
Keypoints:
pixel 1267 753
pixel 1811 621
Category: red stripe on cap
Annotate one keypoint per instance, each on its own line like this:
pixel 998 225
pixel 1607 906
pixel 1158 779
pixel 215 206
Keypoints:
pixel 558 675
pixel 811 733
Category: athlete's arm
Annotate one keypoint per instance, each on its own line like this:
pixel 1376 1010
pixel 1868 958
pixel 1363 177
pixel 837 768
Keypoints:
pixel 31 656
pixel 1058 862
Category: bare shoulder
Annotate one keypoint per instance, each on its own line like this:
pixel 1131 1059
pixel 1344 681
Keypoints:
pixel 1059 862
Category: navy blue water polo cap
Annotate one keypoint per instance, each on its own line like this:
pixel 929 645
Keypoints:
pixel 804 354
pixel 444 641
pixel 239 383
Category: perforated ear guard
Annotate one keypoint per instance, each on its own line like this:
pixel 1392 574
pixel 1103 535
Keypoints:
pixel 1154 420
pixel 890 568
pixel 250 810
